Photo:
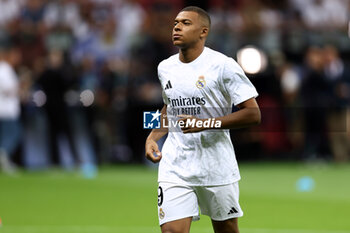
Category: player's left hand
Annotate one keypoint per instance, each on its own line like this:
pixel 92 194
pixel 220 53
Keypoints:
pixel 190 128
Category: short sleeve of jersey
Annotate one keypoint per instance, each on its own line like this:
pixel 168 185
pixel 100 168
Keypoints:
pixel 236 83
pixel 165 98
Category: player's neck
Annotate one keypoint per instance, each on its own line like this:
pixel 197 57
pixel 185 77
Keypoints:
pixel 187 55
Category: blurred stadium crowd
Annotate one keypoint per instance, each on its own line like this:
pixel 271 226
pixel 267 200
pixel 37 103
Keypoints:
pixel 87 69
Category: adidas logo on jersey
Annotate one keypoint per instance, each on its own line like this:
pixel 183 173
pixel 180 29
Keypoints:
pixel 232 211
pixel 168 85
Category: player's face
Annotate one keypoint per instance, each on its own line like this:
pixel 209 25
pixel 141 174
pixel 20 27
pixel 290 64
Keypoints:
pixel 187 29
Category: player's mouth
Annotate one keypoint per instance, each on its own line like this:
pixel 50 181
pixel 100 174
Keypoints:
pixel 176 36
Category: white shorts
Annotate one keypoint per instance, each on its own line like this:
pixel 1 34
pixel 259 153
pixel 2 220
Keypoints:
pixel 180 201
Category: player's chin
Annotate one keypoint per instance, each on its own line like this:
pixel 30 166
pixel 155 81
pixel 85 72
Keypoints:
pixel 177 43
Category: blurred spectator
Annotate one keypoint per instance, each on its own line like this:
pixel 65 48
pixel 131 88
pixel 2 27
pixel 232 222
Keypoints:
pixel 315 94
pixel 227 24
pixel 338 76
pixel 129 18
pixel 323 14
pixel 27 33
pixel 102 45
pixel 33 11
pixel 54 82
pixel 61 19
pixel 10 129
pixel 290 79
pixel 9 10
pixel 62 13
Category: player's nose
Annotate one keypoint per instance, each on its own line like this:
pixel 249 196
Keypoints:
pixel 177 28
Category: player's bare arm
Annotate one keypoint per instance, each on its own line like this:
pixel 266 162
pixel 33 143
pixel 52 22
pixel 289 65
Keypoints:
pixel 151 146
pixel 247 115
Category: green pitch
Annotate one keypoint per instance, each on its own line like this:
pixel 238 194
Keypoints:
pixel 124 198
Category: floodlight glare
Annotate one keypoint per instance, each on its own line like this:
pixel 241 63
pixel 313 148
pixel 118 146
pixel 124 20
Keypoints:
pixel 39 98
pixel 252 59
pixel 87 97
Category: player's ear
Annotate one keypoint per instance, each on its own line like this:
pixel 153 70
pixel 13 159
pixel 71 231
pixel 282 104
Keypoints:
pixel 205 32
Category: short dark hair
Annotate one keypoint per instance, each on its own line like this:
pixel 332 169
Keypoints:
pixel 202 13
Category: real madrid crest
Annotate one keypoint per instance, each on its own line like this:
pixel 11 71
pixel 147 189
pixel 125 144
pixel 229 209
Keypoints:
pixel 200 82
pixel 161 213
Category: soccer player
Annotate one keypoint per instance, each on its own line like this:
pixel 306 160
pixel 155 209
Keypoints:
pixel 198 168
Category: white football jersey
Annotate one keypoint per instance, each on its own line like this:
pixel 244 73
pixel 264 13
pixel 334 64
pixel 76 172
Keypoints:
pixel 9 99
pixel 206 88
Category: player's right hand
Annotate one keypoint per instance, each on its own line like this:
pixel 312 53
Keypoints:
pixel 151 147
